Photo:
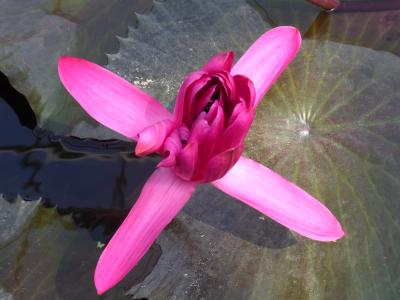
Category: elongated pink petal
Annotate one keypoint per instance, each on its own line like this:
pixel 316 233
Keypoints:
pixel 109 99
pixel 187 161
pixel 281 200
pixel 265 60
pixel 162 197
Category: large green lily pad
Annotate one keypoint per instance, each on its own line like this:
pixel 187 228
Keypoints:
pixel 177 37
pixel 34 34
pixel 331 125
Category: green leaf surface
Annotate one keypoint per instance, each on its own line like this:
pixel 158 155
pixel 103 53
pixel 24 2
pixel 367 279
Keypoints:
pixel 330 124
pixel 178 37
pixel 34 34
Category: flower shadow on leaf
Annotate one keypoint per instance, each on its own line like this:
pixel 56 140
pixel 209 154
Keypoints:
pixel 215 208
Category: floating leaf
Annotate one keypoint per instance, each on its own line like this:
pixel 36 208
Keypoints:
pixel 178 37
pixel 330 124
pixel 35 33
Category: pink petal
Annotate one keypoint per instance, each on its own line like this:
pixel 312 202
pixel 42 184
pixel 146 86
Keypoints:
pixel 162 197
pixel 221 163
pixel 152 138
pixel 187 161
pixel 109 99
pixel 220 62
pixel 172 146
pixel 245 90
pixel 202 97
pixel 238 126
pixel 281 200
pixel 265 60
pixel 182 110
pixel 214 134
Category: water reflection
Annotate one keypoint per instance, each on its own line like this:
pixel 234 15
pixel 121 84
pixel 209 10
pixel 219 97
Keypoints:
pixel 18 103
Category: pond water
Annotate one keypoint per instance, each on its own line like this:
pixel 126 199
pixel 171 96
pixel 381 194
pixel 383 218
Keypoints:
pixel 330 124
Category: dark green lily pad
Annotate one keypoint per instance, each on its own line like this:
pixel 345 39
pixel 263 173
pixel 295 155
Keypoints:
pixel 330 124
pixel 34 34
pixel 178 37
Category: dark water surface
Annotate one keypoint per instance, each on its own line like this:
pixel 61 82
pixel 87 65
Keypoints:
pixel 331 124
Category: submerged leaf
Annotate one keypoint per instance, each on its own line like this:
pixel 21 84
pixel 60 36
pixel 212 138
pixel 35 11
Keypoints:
pixel 55 259
pixel 14 217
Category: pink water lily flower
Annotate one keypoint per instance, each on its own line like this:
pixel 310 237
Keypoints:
pixel 200 142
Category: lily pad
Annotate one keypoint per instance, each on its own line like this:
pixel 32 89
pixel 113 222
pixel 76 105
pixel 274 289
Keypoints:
pixel 177 37
pixel 330 124
pixel 34 34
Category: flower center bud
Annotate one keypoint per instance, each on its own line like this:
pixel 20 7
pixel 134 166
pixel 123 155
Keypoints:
pixel 214 97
